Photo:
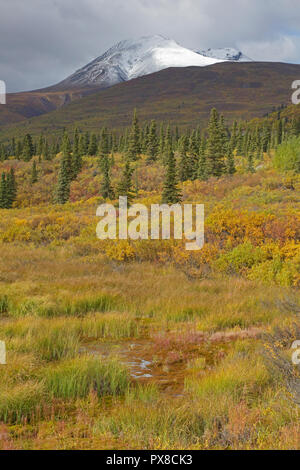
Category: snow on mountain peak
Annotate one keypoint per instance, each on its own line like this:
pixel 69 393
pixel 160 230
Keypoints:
pixel 225 54
pixel 134 58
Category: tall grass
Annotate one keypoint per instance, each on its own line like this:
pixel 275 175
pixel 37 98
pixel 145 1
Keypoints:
pixel 20 403
pixel 239 376
pixel 77 378
pixel 162 425
pixel 59 338
pixel 4 304
pixel 79 307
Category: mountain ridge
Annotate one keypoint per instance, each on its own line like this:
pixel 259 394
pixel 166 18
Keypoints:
pixel 183 96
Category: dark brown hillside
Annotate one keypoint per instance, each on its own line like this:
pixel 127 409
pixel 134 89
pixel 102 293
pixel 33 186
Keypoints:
pixel 183 96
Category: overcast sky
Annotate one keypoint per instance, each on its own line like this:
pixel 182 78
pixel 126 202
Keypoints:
pixel 43 41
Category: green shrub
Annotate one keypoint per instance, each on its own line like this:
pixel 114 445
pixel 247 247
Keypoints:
pixel 275 270
pixel 287 156
pixel 239 259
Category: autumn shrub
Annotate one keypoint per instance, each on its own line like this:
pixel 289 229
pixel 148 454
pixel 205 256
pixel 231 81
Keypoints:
pixel 240 259
pixel 287 155
pixel 276 270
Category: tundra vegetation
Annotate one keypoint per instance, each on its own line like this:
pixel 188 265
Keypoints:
pixel 142 344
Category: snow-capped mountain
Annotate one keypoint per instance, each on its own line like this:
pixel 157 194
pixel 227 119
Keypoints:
pixel 227 53
pixel 134 58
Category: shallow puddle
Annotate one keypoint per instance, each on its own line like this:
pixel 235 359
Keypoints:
pixel 145 365
pixel 149 364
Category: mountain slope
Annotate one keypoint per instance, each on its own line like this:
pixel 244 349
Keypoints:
pixel 24 105
pixel 134 58
pixel 183 96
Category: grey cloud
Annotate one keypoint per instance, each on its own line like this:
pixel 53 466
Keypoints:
pixel 43 41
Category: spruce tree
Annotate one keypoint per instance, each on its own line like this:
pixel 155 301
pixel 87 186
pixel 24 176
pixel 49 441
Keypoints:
pixel 3 153
pixel 168 144
pixel 202 169
pixel 144 139
pixel 13 147
pixel 134 149
pixel 34 174
pixel 106 188
pixel 215 145
pixel 125 185
pixel 46 151
pixel 171 193
pixel 40 146
pixel 230 166
pixel 161 145
pixel 63 184
pixel 183 145
pixel 28 149
pixel 234 136
pixel 250 165
pixel 193 158
pixel 3 192
pixel 103 146
pixel 152 148
pixel 240 139
pixel 93 146
pixel 75 148
pixel 18 149
pixel 11 189
pixel 66 172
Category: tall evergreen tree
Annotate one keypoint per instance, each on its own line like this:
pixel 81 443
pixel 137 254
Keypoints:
pixel 152 149
pixel 3 192
pixel 171 193
pixel 215 145
pixel 93 146
pixel 250 165
pixel 193 158
pixel 34 174
pixel 28 149
pixel 234 136
pixel 106 188
pixel 161 145
pixel 125 185
pixel 46 151
pixel 230 165
pixel 63 185
pixel 75 148
pixel 183 145
pixel 103 146
pixel 66 173
pixel 134 150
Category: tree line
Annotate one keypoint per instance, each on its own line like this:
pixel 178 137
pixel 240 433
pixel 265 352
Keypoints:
pixel 193 154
